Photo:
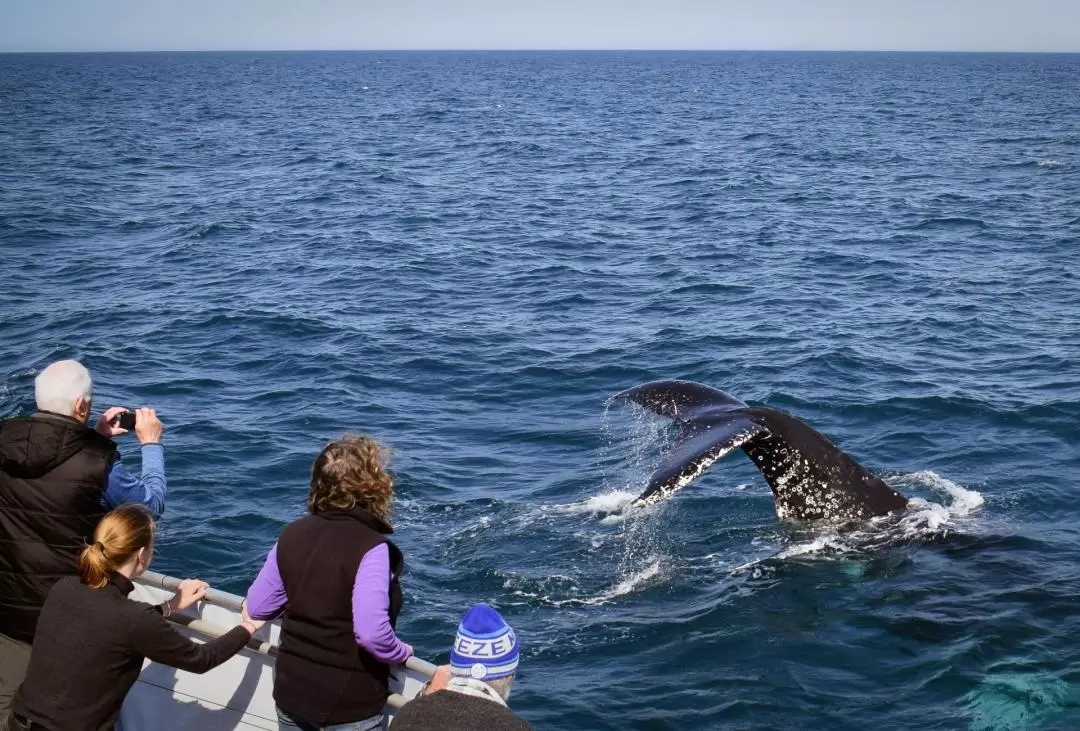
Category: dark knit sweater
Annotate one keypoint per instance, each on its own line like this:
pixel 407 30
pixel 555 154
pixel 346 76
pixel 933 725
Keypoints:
pixel 90 647
pixel 446 710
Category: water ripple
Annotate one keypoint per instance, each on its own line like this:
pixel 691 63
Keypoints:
pixel 466 254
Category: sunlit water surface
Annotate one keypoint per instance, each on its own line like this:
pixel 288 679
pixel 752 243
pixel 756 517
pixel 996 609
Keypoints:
pixel 467 254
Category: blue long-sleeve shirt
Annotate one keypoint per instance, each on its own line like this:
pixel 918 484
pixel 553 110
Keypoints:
pixel 149 489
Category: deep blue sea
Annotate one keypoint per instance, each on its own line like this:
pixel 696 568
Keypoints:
pixel 467 254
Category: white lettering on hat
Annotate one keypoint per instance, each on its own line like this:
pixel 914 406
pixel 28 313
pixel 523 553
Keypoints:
pixel 502 645
pixel 496 647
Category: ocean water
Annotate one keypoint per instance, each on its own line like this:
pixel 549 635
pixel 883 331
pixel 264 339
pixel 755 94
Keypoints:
pixel 466 254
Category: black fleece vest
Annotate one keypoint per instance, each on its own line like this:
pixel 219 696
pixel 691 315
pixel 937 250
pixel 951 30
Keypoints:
pixel 322 675
pixel 52 477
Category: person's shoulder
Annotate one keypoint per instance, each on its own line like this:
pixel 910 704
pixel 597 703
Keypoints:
pixel 295 529
pixel 419 713
pixel 455 710
pixel 70 594
pixel 65 588
pixel 494 715
pixel 118 601
pixel 73 586
pixel 300 524
pixel 69 583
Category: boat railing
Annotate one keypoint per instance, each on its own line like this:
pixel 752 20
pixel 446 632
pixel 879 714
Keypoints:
pixel 234 603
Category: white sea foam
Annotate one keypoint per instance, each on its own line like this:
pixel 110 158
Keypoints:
pixel 924 517
pixel 1050 163
pixel 627 585
pixel 609 502
pixel 630 583
pixel 830 542
pixel 644 555
pixel 610 507
pixel 563 585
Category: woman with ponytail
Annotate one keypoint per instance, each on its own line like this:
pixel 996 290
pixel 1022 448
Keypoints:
pixel 91 639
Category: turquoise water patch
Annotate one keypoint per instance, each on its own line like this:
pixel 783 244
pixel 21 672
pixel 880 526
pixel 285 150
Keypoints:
pixel 1015 701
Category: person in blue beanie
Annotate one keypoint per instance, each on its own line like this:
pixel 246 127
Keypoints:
pixel 471 692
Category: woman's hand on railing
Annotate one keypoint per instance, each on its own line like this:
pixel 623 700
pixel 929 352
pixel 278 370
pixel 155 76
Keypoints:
pixel 189 592
pixel 252 625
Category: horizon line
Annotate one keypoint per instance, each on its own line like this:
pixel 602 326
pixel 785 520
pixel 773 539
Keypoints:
pixel 531 50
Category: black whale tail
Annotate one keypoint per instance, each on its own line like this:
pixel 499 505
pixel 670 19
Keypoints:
pixel 811 478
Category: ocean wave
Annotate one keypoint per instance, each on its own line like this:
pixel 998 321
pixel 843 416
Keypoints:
pixel 951 223
pixel 540 592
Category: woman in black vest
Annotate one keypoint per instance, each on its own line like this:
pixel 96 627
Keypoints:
pixel 91 640
pixel 333 578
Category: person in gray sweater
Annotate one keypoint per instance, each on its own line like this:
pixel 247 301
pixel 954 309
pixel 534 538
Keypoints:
pixel 471 692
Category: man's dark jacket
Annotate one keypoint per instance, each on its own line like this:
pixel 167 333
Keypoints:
pixel 53 472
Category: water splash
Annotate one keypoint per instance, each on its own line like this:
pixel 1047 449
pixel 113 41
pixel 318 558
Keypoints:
pixel 924 517
pixel 629 583
pixel 630 448
pixel 553 591
pixel 827 543
pixel 611 507
pixel 922 520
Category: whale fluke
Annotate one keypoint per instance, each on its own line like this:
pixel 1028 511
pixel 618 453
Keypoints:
pixel 680 400
pixel 810 477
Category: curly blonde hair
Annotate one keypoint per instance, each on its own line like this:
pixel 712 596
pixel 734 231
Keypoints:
pixel 351 473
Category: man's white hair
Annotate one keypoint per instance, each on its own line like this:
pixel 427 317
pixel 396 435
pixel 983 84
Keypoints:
pixel 502 686
pixel 57 387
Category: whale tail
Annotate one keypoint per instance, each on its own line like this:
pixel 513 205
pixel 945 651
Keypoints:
pixel 810 477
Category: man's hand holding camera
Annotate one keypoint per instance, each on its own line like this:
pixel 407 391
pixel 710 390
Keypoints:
pixel 119 420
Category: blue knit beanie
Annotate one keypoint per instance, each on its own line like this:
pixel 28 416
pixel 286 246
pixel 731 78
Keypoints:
pixel 485 647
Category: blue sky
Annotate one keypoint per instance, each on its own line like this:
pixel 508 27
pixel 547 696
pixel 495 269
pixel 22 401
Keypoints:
pixel 126 25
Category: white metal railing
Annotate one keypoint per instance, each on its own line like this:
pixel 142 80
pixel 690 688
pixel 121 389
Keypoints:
pixel 220 598
pixel 235 603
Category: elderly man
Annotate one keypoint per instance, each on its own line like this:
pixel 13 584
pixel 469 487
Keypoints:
pixel 471 692
pixel 58 477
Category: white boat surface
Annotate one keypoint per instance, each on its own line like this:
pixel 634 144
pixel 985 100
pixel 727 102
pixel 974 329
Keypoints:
pixel 237 694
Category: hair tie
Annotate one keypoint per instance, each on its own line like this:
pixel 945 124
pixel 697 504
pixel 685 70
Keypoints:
pixel 101 547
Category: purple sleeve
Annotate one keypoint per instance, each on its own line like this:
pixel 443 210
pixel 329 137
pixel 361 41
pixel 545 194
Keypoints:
pixel 266 598
pixel 371 608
